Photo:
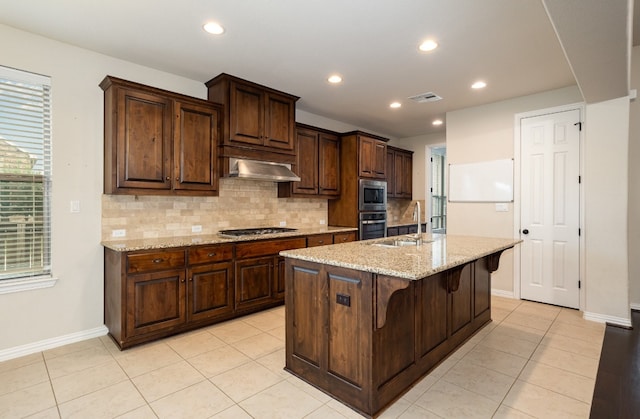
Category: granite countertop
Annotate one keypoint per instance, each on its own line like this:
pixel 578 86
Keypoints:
pixel 438 252
pixel 195 240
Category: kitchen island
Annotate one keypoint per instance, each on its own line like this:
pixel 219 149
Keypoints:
pixel 366 320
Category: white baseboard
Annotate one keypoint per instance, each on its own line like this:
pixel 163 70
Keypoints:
pixel 635 306
pixel 502 293
pixel 602 318
pixel 46 344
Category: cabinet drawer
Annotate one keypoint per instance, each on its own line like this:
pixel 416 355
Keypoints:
pixel 144 262
pixel 269 247
pixel 344 237
pixel 319 240
pixel 208 254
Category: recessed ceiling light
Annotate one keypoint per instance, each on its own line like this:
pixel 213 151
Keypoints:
pixel 334 79
pixel 479 85
pixel 437 122
pixel 213 28
pixel 428 45
pixel 395 105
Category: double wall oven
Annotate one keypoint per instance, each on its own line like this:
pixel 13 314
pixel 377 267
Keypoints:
pixel 372 209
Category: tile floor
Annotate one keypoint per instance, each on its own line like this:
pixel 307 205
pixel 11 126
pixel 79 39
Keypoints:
pixel 533 360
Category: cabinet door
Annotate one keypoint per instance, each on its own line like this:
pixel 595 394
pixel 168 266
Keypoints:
pixel 279 279
pixel 407 176
pixel 328 165
pixel 366 150
pixel 391 184
pixel 431 309
pixel 306 162
pixel 398 175
pixel 246 115
pixel 143 150
pixel 254 280
pixel 279 122
pixel 461 301
pixel 155 301
pixel 195 141
pixel 379 160
pixel 210 291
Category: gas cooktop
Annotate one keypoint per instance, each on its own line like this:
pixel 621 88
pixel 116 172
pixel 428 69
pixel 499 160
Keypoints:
pixel 254 231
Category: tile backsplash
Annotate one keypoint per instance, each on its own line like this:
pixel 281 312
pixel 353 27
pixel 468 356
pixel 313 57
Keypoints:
pixel 240 204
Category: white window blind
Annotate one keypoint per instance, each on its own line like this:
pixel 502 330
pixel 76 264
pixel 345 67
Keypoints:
pixel 25 175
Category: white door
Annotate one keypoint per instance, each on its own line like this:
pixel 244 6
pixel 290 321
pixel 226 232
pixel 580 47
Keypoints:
pixel 550 208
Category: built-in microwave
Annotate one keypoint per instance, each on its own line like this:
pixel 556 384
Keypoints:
pixel 372 195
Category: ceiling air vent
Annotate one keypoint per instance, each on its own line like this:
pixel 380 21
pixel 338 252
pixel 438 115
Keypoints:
pixel 426 97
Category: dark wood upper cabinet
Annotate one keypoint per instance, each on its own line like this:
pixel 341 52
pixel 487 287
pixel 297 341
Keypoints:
pixel 259 122
pixel 399 173
pixel 317 164
pixel 372 157
pixel 158 142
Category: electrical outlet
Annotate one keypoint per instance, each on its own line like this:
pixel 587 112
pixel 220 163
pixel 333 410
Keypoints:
pixel 283 223
pixel 196 229
pixel 74 206
pixel 119 233
pixel 322 222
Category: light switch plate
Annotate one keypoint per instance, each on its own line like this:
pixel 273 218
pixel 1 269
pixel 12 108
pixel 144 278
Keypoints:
pixel 119 233
pixel 283 223
pixel 502 207
pixel 196 229
pixel 74 206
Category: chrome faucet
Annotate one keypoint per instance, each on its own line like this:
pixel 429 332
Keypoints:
pixel 416 217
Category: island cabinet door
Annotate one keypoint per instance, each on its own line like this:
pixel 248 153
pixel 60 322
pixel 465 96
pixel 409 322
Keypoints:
pixel 431 313
pixel 482 287
pixel 461 298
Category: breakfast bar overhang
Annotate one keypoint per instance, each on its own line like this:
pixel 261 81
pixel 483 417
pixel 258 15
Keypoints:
pixel 366 320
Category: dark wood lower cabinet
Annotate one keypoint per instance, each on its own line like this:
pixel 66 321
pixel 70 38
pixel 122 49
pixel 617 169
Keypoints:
pixel 366 338
pixel 210 291
pixel 254 281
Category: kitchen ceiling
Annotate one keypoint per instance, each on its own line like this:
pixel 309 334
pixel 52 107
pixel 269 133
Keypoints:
pixel 294 45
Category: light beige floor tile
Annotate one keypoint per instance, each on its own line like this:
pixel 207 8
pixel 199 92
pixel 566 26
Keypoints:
pixel 496 360
pixel 73 347
pixel 51 413
pixel 275 363
pixel 419 388
pixel 234 412
pixel 417 412
pixel 509 344
pixel 573 385
pixel 343 409
pixel 309 389
pixel 542 403
pixel 528 320
pixel 26 401
pixel 167 380
pixel 588 333
pixel 506 412
pixel 575 317
pixel 106 403
pixel 279 333
pixel 110 345
pixel 201 400
pixel 325 412
pixel 518 331
pixel 480 380
pixel 395 410
pixel 23 377
pixel 464 349
pixel 259 345
pixel 498 314
pixel 234 331
pixel 245 381
pixel 141 360
pixel 218 361
pixel 539 310
pixel 568 361
pixel 504 303
pixel 21 361
pixel 195 343
pixel 143 412
pixel 282 400
pixel 591 349
pixel 450 401
pixel 78 361
pixel 443 367
pixel 87 381
pixel 264 321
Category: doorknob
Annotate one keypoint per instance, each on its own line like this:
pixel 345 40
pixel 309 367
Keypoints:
pixel 525 231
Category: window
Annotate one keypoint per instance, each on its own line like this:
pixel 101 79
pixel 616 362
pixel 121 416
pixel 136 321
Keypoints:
pixel 438 190
pixel 25 177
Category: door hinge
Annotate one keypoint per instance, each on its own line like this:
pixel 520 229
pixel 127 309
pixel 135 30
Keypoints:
pixel 431 159
pixel 579 232
pixel 431 189
pixel 579 124
pixel 579 179
pixel 579 284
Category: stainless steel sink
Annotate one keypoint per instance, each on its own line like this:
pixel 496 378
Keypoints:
pixel 400 242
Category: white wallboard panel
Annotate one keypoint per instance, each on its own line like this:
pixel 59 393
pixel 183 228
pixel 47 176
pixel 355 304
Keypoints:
pixel 490 181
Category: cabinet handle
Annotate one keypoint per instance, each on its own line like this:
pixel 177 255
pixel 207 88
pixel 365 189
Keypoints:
pixel 191 279
pixel 212 254
pixel 182 280
pixel 158 260
pixel 168 178
pixel 320 241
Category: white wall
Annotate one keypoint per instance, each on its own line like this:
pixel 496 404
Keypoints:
pixel 634 185
pixel 74 304
pixel 485 133
pixel 606 188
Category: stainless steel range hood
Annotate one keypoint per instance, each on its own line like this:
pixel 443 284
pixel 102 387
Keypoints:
pixel 260 170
